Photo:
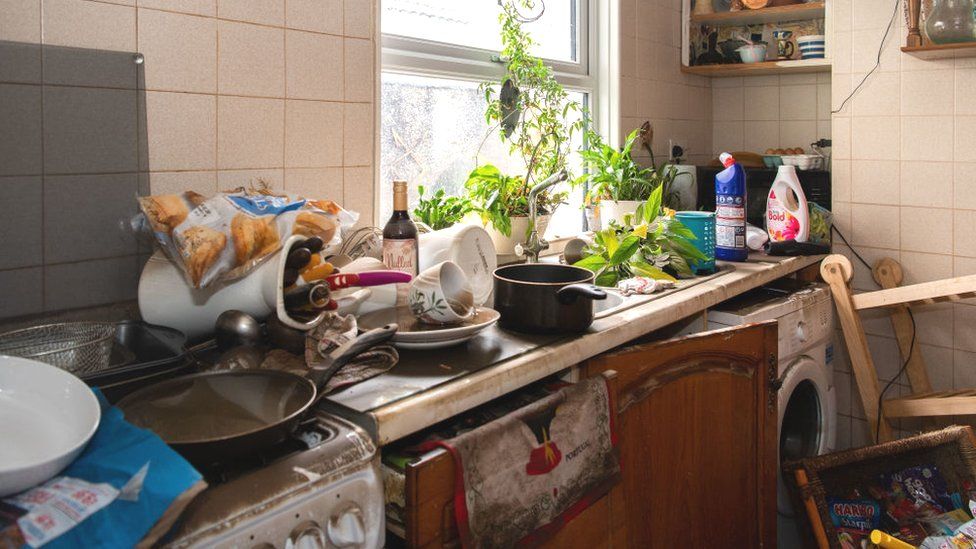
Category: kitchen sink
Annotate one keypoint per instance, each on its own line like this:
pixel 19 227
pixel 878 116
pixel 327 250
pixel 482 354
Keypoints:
pixel 614 303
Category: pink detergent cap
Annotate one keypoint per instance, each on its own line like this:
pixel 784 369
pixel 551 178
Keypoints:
pixel 726 159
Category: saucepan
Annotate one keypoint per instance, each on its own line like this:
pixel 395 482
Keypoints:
pixel 215 416
pixel 543 298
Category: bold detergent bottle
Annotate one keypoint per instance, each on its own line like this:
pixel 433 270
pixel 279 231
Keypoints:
pixel 787 212
pixel 730 211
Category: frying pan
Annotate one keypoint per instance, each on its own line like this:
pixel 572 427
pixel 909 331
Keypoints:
pixel 212 417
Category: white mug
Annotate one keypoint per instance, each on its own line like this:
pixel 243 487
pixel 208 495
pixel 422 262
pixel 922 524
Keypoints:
pixel 441 295
pixel 470 247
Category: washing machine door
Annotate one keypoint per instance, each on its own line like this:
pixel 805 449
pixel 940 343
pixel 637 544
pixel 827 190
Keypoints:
pixel 806 404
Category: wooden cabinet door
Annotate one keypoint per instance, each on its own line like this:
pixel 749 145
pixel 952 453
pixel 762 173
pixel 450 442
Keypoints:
pixel 697 436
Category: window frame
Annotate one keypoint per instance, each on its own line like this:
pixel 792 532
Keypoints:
pixel 415 56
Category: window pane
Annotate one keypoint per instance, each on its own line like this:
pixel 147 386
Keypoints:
pixel 474 23
pixel 431 132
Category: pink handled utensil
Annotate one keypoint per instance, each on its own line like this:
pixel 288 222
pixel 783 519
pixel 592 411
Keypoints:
pixel 368 278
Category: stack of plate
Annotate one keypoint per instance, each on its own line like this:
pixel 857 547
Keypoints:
pixel 812 46
pixel 413 334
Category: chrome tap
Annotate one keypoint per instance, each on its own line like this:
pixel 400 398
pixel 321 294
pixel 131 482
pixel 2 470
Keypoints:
pixel 535 243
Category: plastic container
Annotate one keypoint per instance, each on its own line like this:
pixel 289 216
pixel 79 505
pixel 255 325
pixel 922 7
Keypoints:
pixel 730 211
pixel 787 213
pixel 702 224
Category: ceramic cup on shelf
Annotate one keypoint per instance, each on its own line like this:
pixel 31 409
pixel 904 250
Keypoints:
pixel 442 295
pixel 470 247
pixel 784 44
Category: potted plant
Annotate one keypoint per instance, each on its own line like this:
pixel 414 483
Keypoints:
pixel 618 184
pixel 439 210
pixel 534 115
pixel 503 204
pixel 650 242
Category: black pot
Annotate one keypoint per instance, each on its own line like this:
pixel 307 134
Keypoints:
pixel 545 299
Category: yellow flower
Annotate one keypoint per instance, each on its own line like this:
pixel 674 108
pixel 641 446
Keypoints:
pixel 641 230
pixel 668 212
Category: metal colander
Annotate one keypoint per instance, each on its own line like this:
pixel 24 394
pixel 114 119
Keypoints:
pixel 78 347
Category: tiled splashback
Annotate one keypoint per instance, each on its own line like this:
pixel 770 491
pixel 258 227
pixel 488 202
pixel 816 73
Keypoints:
pixel 229 92
pixel 770 112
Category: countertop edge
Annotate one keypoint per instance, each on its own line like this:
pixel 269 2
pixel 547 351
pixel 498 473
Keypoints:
pixel 411 414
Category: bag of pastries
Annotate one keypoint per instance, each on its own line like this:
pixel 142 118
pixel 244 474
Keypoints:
pixel 224 237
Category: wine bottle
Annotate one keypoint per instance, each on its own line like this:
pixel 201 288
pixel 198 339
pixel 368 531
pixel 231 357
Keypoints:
pixel 400 249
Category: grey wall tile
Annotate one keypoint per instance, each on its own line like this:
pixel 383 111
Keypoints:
pixel 87 283
pixel 21 292
pixel 20 129
pixel 20 62
pixel 89 130
pixel 85 67
pixel 84 215
pixel 21 222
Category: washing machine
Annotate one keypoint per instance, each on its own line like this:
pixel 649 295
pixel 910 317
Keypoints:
pixel 807 399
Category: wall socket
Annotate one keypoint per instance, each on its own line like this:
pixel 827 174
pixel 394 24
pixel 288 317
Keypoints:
pixel 676 151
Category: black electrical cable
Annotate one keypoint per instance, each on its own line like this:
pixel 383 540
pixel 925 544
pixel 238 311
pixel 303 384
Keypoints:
pixel 877 62
pixel 911 347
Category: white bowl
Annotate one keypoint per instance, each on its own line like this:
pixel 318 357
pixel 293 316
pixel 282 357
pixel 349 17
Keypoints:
pixel 811 39
pixel 48 416
pixel 753 53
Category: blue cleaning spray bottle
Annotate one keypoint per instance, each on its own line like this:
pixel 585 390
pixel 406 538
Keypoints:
pixel 730 211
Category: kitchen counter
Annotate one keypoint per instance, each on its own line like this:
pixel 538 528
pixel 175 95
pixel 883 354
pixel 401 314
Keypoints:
pixel 427 387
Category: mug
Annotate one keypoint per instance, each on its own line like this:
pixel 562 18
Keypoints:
pixel 442 295
pixel 470 247
pixel 784 45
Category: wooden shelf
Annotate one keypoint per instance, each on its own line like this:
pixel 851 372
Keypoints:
pixel 942 51
pixel 756 69
pixel 794 12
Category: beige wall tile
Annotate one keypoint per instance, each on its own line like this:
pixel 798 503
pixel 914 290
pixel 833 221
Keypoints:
pixel 359 73
pixel 196 7
pixel 797 133
pixel 232 179
pixel 964 374
pixel 875 182
pixel 926 92
pixel 925 267
pixel 357 135
pixel 964 321
pixel 761 103
pixel 840 179
pixel 930 231
pixel 926 184
pixel 266 12
pixel 760 135
pixel 876 226
pixel 965 83
pixel 798 102
pixel 204 183
pixel 359 194
pixel 727 104
pixel 926 138
pixel 964 225
pixel 357 18
pixel 964 185
pixel 727 137
pixel 250 133
pixel 965 138
pixel 879 96
pixel 876 138
pixel 628 56
pixel 181 129
pixel 755 81
pixel 21 21
pixel 823 101
pixel 314 15
pixel 313 134
pixel 314 66
pixel 93 25
pixel 251 60
pixel 318 183
pixel 842 52
pixel 180 51
pixel 865 47
pixel 841 134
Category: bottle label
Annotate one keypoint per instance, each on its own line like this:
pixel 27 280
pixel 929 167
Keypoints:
pixel 780 223
pixel 730 222
pixel 401 255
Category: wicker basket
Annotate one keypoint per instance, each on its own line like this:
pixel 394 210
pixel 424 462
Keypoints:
pixel 813 480
pixel 78 347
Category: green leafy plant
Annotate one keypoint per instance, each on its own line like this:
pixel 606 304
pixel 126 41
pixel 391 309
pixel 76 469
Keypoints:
pixel 439 210
pixel 652 243
pixel 537 118
pixel 498 197
pixel 615 175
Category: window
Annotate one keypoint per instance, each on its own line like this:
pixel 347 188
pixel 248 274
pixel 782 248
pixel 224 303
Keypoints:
pixel 435 54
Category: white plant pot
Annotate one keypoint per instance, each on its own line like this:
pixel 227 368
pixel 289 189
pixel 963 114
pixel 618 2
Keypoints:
pixel 615 210
pixel 685 186
pixel 505 245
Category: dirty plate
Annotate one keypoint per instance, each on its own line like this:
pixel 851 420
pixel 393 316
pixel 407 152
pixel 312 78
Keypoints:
pixel 414 334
